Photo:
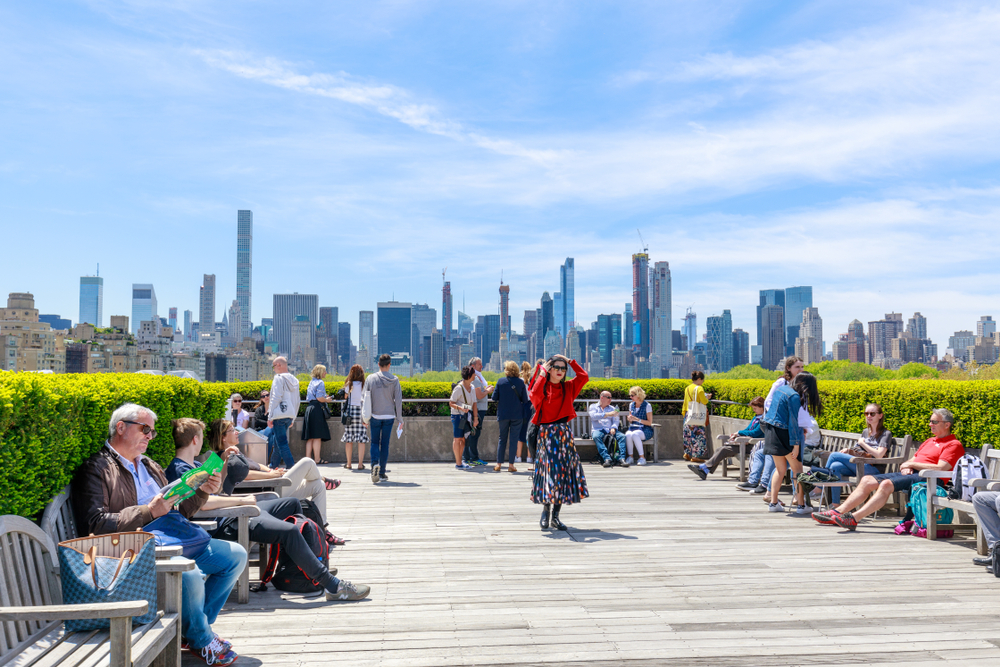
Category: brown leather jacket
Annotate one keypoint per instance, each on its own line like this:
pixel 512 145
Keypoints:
pixel 104 498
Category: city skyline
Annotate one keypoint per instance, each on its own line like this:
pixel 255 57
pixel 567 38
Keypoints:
pixel 751 147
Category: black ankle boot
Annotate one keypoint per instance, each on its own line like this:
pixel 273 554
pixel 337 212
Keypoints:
pixel 556 523
pixel 544 521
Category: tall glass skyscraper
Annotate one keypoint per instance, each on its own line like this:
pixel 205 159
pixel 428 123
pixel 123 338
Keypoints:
pixel 286 308
pixel 244 268
pixel 366 333
pixel 640 303
pixel 395 333
pixel 662 343
pixel 797 299
pixel 567 276
pixel 143 305
pixel 206 304
pixel 92 300
pixel 768 297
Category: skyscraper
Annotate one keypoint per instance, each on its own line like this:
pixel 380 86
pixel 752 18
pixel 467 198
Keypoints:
pixel 206 307
pixel 547 321
pixel 609 334
pixel 916 326
pixel 344 344
pixel 326 336
pixel 423 321
pixel 690 329
pixel 143 305
pixel 244 269
pixel 394 327
pixel 773 332
pixel 557 312
pixel 797 299
pixel 366 333
pixel 530 323
pixel 856 342
pixel 487 337
pixel 92 300
pixel 768 297
pixel 505 309
pixel 235 322
pixel 285 309
pixel 446 306
pixel 741 347
pixel 188 318
pixel 880 335
pixel 809 343
pixel 986 326
pixel 566 287
pixel 172 319
pixel 662 334
pixel 640 303
pixel 720 342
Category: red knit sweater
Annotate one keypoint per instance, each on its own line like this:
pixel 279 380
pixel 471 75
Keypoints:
pixel 559 402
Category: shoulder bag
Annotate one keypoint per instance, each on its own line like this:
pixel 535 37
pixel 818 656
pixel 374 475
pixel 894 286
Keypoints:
pixel 174 530
pixel 117 567
pixel 345 414
pixel 366 405
pixel 697 412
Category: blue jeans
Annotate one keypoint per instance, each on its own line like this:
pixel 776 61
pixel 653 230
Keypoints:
pixel 471 452
pixel 381 433
pixel 600 439
pixel 206 588
pixel 761 468
pixel 839 464
pixel 509 430
pixel 281 451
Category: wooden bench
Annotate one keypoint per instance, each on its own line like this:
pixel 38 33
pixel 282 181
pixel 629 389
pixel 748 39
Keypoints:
pixel 59 524
pixel 743 445
pixel 31 615
pixel 991 459
pixel 582 430
pixel 835 441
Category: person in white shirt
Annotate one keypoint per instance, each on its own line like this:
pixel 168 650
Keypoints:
pixel 604 425
pixel 236 414
pixel 355 431
pixel 285 399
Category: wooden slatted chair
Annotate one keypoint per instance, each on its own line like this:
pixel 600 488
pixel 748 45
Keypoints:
pixel 581 433
pixel 899 451
pixel 935 502
pixel 31 615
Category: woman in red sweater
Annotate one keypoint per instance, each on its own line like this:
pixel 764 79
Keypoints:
pixel 559 476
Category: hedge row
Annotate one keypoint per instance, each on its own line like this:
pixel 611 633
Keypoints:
pixel 49 424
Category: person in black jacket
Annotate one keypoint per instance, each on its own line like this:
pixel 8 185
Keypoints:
pixel 259 420
pixel 511 396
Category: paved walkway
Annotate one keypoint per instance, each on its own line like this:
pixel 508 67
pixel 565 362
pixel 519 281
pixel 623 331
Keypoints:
pixel 658 568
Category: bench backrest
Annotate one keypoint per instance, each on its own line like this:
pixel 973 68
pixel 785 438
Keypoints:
pixel 581 423
pixel 58 521
pixel 28 565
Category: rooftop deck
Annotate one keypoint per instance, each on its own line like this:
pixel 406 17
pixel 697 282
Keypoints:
pixel 657 568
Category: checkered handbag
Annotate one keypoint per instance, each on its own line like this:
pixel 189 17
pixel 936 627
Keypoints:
pixel 117 567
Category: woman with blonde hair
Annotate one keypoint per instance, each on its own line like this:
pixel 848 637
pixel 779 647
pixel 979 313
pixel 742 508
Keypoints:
pixel 640 424
pixel 510 396
pixel 526 414
pixel 314 427
pixel 355 431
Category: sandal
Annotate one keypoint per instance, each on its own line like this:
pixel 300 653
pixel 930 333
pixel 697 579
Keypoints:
pixel 334 540
pixel 331 484
pixel 496 468
pixel 348 466
pixel 511 469
pixel 361 466
pixel 323 462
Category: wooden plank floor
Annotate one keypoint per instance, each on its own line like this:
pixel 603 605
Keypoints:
pixel 657 568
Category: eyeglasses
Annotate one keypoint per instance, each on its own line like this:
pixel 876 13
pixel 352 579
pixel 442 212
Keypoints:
pixel 872 414
pixel 235 402
pixel 145 428
pixel 936 421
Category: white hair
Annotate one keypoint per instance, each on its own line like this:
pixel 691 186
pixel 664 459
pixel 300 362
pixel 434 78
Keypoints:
pixel 129 412
pixel 945 415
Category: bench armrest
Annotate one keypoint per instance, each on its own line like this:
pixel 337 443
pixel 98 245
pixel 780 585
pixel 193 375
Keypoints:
pixel 272 483
pixel 168 552
pixel 935 474
pixel 991 485
pixel 62 612
pixel 888 461
pixel 229 512
pixel 983 483
pixel 178 565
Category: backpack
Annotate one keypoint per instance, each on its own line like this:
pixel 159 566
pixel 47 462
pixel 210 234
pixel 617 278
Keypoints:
pixel 967 469
pixel 282 571
pixel 918 506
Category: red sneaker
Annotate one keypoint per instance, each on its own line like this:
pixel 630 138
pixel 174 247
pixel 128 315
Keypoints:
pixel 845 521
pixel 825 518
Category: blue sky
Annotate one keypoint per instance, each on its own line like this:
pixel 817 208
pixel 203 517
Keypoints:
pixel 846 145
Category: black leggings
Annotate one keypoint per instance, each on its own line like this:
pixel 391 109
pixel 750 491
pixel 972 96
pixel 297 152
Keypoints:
pixel 271 528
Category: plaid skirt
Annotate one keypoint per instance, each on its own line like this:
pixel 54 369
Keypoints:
pixel 558 473
pixel 355 431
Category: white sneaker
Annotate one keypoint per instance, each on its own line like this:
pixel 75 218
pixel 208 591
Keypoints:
pixel 629 461
pixel 775 507
pixel 803 509
pixel 518 460
pixel 642 461
pixel 529 461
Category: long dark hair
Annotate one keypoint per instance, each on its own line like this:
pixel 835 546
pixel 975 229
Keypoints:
pixel 805 384
pixel 880 429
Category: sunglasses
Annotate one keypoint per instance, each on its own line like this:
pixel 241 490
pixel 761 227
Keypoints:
pixel 936 421
pixel 145 428
pixel 559 368
pixel 872 414
pixel 235 402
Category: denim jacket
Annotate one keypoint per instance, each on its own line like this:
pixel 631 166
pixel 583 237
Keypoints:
pixel 784 413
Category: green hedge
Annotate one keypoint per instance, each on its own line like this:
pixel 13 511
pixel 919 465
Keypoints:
pixel 49 424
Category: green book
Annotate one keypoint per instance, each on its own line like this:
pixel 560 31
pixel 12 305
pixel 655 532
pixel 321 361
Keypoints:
pixel 192 480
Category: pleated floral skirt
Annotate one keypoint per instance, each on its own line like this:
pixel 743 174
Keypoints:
pixel 558 473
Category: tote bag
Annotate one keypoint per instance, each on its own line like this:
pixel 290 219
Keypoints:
pixel 118 567
pixel 697 413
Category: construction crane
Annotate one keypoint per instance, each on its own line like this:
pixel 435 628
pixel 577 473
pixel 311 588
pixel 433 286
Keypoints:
pixel 642 241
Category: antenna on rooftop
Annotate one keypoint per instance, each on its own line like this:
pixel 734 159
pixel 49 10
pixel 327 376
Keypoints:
pixel 98 268
pixel 642 241
pixel 501 276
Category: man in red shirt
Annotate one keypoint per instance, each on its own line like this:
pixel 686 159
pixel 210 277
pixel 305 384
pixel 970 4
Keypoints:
pixel 940 452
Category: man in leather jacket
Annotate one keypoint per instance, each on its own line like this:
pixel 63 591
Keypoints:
pixel 118 490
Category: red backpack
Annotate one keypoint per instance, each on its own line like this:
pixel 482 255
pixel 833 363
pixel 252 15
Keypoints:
pixel 282 571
